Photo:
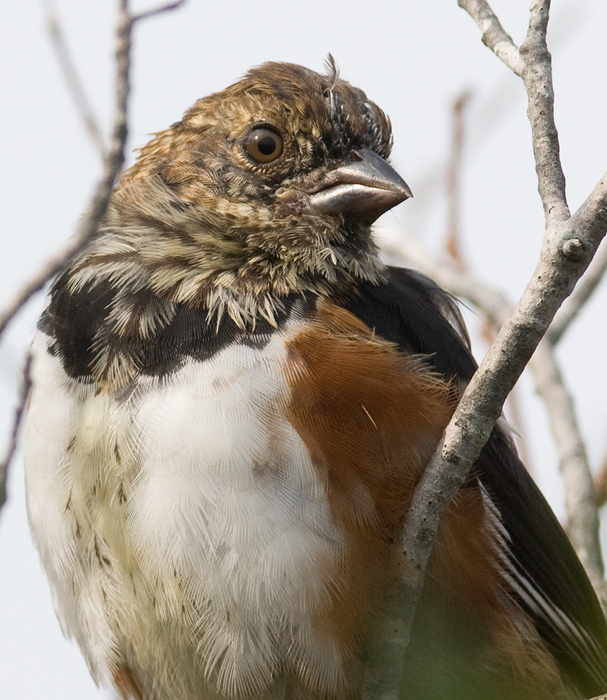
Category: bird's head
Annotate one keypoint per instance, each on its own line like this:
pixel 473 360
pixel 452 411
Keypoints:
pixel 267 188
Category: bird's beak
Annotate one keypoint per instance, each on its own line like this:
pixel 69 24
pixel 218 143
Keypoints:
pixel 367 187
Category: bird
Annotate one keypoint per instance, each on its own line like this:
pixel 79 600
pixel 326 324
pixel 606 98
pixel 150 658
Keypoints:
pixel 233 400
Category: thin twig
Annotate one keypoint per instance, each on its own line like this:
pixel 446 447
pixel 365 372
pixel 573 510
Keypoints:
pixel 582 515
pixel 113 164
pixel 494 35
pixel 100 200
pixel 537 76
pixel 562 235
pixel 453 241
pixel 26 383
pixel 158 11
pixel 594 209
pixel 98 205
pixel 72 79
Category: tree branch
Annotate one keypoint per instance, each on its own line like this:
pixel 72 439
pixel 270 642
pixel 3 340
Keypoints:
pixel 115 159
pixel 26 383
pixel 494 35
pixel 113 165
pixel 453 240
pixel 71 77
pixel 581 295
pixel 582 517
pixel 582 514
pixel 537 77
pixel 569 244
pixel 158 11
pixel 464 437
pixel 99 202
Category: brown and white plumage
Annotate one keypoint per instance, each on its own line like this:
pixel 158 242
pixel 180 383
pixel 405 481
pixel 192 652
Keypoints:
pixel 233 400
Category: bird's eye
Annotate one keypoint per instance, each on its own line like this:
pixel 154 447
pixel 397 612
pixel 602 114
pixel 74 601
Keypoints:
pixel 263 145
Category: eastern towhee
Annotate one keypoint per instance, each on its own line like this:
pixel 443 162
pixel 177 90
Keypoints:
pixel 233 400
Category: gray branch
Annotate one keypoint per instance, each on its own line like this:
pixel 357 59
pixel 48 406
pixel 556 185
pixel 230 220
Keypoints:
pixel 99 202
pixel 473 422
pixel 581 295
pixel 581 511
pixel 537 77
pixel 494 36
pixel 158 10
pixel 582 514
pixel 569 245
pixel 72 78
pixel 26 383
pixel 113 164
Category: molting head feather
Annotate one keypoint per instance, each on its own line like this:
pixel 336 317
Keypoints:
pixel 265 189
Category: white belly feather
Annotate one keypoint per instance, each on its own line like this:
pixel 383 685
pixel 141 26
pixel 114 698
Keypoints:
pixel 185 515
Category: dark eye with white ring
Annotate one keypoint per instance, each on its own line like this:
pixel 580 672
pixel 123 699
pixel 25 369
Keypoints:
pixel 263 145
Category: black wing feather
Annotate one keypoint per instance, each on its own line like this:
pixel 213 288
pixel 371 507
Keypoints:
pixel 547 577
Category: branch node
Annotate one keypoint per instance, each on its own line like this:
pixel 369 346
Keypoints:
pixel 574 249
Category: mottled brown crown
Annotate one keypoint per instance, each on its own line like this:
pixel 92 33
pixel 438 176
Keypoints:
pixel 322 119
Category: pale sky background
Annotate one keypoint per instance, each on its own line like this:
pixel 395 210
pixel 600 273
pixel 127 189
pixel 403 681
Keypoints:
pixel 412 58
